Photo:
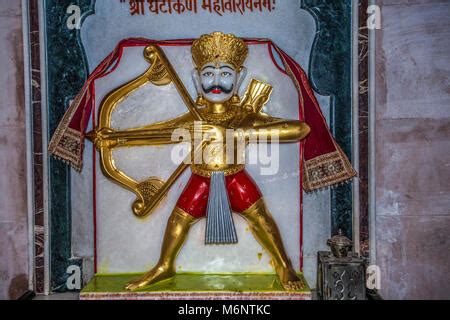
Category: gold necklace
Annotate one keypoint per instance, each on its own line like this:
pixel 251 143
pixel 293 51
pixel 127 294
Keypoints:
pixel 217 118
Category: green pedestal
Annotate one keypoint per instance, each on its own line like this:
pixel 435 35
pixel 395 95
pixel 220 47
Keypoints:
pixel 194 286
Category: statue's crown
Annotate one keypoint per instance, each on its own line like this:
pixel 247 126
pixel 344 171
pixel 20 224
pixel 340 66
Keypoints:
pixel 219 47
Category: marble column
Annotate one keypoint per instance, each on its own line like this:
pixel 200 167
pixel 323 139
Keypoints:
pixel 13 204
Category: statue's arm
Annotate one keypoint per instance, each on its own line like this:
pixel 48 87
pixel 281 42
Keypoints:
pixel 172 123
pixel 145 137
pixel 263 125
pixel 159 133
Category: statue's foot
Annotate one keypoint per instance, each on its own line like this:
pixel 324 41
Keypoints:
pixel 155 275
pixel 290 280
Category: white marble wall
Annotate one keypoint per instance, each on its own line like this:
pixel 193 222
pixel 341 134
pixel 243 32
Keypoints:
pixel 13 199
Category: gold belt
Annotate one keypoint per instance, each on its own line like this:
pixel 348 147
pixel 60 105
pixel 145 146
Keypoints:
pixel 198 170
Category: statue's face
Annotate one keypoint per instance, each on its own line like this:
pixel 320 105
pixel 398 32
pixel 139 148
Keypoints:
pixel 218 82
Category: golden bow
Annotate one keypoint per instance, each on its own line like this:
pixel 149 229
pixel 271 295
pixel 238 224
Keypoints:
pixel 151 191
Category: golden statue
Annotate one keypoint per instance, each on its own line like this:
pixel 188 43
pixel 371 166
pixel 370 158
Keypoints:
pixel 219 185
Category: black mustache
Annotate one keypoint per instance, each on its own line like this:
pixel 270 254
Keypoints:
pixel 209 89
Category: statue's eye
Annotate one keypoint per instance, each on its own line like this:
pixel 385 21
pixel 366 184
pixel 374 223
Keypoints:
pixel 208 74
pixel 226 74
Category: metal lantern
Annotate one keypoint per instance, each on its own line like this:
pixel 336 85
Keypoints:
pixel 340 273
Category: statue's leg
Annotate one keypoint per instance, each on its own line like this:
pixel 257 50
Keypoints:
pixel 266 232
pixel 191 206
pixel 175 235
pixel 245 198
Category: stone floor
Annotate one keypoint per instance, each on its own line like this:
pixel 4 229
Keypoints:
pixel 193 286
pixel 59 296
pixel 76 296
pixel 188 286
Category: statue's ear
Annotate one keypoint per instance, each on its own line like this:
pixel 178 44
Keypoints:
pixel 240 78
pixel 196 80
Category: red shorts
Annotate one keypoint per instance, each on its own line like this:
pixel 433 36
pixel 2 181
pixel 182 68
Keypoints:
pixel 242 193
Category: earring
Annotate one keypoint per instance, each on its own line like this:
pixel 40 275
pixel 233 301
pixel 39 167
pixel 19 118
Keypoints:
pixel 235 99
pixel 200 100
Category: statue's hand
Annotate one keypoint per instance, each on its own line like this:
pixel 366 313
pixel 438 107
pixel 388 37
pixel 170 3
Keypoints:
pixel 101 138
pixel 208 132
pixel 215 133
